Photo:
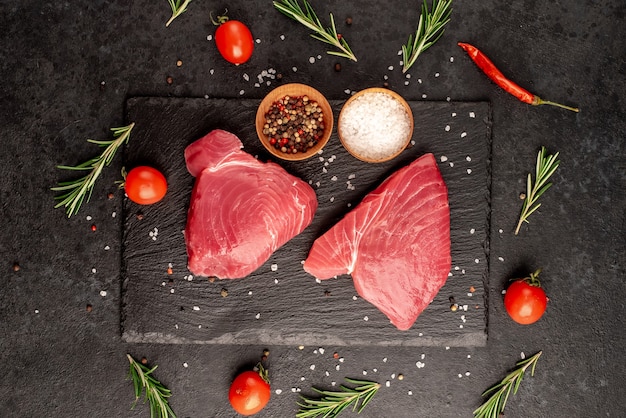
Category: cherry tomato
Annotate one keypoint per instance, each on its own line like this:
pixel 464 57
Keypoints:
pixel 250 392
pixel 525 300
pixel 145 185
pixel 234 40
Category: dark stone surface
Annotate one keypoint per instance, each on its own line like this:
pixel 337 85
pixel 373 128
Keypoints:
pixel 66 72
pixel 286 306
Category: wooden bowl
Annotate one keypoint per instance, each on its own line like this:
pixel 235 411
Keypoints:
pixel 380 136
pixel 294 90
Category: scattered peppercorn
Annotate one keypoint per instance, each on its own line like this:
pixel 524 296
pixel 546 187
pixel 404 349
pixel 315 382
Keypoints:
pixel 110 195
pixel 169 270
pixel 179 63
pixel 385 84
pixel 279 76
pixel 522 196
pixel 294 124
pixel 400 376
pixel 348 20
pixel 335 355
pixel 266 352
pixel 144 361
pixel 16 267
pixel 212 279
pixel 139 216
pixel 327 293
pixel 224 293
pixel 472 289
pixel 169 79
pixel 89 308
pixel 337 67
pixel 93 227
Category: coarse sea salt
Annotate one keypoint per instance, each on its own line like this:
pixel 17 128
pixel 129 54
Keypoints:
pixel 374 125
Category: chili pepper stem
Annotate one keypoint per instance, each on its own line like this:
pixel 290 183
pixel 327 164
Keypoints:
pixel 537 101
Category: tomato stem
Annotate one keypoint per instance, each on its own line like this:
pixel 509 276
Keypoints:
pixel 263 372
pixel 220 19
pixel 533 279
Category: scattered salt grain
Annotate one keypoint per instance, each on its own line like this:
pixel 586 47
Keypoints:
pixel 472 114
pixel 364 372
pixel 463 134
pixel 451 164
pixel 332 198
pixel 453 114
pixel 420 365
pixel 366 318
pixel 501 258
pixel 387 383
pixel 337 367
pixel 311 60
pixel 246 77
pixel 241 92
pixel 443 158
pixel 385 360
pixel 257 316
pixel 436 74
pixel 500 231
pixel 107 248
pixel 472 231
pixel 447 128
pixel 390 68
pixel 185 365
pixel 451 59
pixel 171 290
pixel 209 37
pixel 278 391
pixel 319 57
pixel 113 215
pixel 333 178
pixel 522 355
pixel 465 307
pixel 410 393
pixel 196 308
pixel 469 171
pixel 274 267
pixel 282 37
pixel 424 96
pixel 294 69
pixel 476 260
pixel 347 91
pixel 354 298
pixel 363 120
pixel 36 311
pixel 469 356
pixel 275 281
pixel 467 373
pixel 312 367
pixel 88 218
pixel 385 77
pixel 423 356
pixel 103 293
pixel 93 270
pixel 460 375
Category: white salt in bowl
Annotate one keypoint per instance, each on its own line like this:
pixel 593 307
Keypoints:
pixel 375 125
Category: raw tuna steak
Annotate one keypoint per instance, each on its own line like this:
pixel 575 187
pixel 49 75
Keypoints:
pixel 395 243
pixel 241 210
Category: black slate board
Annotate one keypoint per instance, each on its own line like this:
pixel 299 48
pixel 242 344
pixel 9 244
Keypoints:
pixel 280 303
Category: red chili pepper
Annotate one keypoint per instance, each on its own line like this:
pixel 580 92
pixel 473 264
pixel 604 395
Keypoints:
pixel 489 68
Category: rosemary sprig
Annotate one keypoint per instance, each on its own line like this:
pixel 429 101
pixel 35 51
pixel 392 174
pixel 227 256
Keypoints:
pixel 333 402
pixel 155 393
pixel 545 167
pixel 307 17
pixel 178 7
pixel 494 406
pixel 429 30
pixel 76 191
